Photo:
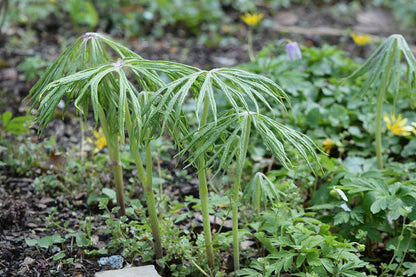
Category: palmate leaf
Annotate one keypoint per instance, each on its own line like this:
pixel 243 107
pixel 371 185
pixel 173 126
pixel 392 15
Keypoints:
pixel 106 86
pixel 209 135
pixel 268 190
pixel 223 141
pixel 272 132
pixel 89 50
pixel 242 90
pixel 397 49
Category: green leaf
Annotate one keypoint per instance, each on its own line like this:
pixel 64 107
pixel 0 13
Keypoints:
pixel 341 217
pixel 83 12
pixel 378 69
pixel 313 258
pixel 313 117
pixel 6 117
pixel 110 193
pixel 410 268
pixel 31 242
pixel 59 256
pixel 409 149
pixel 300 259
pixel 48 241
pixel 81 239
pixel 284 260
pixel 266 242
pixel 328 264
pixel 379 204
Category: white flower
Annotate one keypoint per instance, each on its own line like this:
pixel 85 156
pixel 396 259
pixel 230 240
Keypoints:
pixel 345 207
pixel 342 194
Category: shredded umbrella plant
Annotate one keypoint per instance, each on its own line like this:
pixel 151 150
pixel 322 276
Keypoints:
pixel 384 74
pixel 85 75
pixel 123 108
pixel 224 136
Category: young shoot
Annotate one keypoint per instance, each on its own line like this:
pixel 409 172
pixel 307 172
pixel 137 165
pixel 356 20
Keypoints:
pixel 384 73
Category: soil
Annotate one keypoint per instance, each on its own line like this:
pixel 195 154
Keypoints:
pixel 25 211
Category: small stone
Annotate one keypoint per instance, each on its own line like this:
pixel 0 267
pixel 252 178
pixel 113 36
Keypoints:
pixel 115 261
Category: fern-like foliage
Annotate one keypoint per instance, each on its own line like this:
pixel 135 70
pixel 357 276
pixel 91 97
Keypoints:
pixel 223 141
pixel 108 88
pixel 248 95
pixel 242 90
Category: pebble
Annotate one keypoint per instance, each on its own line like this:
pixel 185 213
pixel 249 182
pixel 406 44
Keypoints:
pixel 115 261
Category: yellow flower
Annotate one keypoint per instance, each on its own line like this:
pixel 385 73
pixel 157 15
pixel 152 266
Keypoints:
pixel 414 129
pixel 99 141
pixel 328 145
pixel 252 19
pixel 361 40
pixel 397 126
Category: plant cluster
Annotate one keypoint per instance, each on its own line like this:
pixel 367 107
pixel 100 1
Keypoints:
pixel 238 125
pixel 84 74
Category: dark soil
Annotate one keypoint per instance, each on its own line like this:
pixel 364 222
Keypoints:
pixel 25 212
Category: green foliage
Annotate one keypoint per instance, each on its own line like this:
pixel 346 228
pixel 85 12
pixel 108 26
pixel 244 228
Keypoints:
pixel 15 125
pixel 234 122
pixel 29 12
pixel 118 105
pixel 298 242
pixel 82 12
pixel 45 242
pixel 381 203
pixel 33 67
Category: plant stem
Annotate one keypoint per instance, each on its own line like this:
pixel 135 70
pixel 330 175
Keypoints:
pixel 147 182
pixel 151 206
pixel 114 153
pixel 250 44
pixel 203 195
pixel 236 196
pixel 379 112
pixel 396 250
pixel 118 173
pixel 379 108
pixel 258 197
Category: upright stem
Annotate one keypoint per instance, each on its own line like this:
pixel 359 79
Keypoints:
pixel 114 153
pixel 236 196
pixel 379 108
pixel 118 175
pixel 203 195
pixel 151 206
pixel 250 44
pixel 379 114
pixel 258 197
pixel 147 182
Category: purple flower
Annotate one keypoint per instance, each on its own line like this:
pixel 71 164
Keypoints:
pixel 293 51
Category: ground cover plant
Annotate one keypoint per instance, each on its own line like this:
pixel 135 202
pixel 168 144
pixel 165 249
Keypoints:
pixel 214 172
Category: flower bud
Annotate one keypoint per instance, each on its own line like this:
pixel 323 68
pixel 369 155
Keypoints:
pixel 293 51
